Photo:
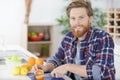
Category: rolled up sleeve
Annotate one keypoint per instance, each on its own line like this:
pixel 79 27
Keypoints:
pixel 58 58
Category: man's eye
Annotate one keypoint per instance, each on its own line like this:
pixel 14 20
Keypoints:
pixel 72 18
pixel 81 17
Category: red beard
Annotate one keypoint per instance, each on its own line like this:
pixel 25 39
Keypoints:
pixel 80 33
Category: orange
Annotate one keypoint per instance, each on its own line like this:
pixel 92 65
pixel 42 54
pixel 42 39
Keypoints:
pixel 39 74
pixel 27 65
pixel 31 60
pixel 39 61
pixel 41 77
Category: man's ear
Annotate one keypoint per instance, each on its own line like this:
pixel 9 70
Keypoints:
pixel 91 19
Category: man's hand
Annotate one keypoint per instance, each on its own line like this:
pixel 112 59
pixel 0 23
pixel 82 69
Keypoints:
pixel 48 67
pixel 43 67
pixel 60 71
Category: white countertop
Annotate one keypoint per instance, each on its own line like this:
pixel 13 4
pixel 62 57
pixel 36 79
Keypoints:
pixel 12 48
pixel 6 69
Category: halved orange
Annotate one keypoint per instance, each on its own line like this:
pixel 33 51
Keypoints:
pixel 39 74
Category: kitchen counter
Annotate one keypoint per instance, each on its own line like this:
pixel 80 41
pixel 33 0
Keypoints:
pixel 6 67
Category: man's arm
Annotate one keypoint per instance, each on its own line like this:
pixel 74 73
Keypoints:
pixel 49 67
pixel 77 69
pixel 62 70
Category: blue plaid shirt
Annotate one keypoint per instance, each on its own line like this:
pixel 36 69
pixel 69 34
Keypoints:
pixel 97 48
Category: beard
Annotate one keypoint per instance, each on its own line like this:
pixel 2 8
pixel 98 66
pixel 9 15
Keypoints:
pixel 81 31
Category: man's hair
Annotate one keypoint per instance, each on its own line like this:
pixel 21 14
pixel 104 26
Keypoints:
pixel 80 4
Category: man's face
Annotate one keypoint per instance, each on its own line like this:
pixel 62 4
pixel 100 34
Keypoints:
pixel 79 21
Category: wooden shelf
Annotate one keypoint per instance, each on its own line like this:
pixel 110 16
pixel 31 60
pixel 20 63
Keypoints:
pixel 45 45
pixel 113 20
pixel 117 19
pixel 117 27
pixel 39 42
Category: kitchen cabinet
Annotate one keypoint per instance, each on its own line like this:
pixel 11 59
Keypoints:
pixel 41 48
pixel 113 21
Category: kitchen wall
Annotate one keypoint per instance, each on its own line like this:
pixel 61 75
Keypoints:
pixel 12 16
pixel 42 11
pixel 11 19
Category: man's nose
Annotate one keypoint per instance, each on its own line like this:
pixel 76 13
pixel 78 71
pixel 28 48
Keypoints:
pixel 77 22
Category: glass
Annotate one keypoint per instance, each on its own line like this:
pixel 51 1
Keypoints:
pixel 118 15
pixel 46 34
pixel 118 23
pixel 44 50
pixel 112 15
pixel 111 30
pixel 111 23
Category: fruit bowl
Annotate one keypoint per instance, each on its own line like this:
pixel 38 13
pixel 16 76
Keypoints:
pixel 36 38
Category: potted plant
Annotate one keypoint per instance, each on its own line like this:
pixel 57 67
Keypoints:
pixel 99 18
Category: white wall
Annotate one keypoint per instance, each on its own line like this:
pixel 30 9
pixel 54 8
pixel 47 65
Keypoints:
pixel 11 19
pixel 104 4
pixel 43 11
pixel 12 16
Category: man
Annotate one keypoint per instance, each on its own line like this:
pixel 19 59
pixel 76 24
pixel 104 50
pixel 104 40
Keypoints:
pixel 85 52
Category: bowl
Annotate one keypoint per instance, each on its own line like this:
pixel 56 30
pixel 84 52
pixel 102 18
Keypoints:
pixel 36 38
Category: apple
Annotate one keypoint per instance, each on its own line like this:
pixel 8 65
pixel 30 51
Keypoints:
pixel 24 71
pixel 33 34
pixel 29 34
pixel 41 34
pixel 16 70
pixel 13 58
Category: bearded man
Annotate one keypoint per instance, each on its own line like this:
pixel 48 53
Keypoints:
pixel 85 53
